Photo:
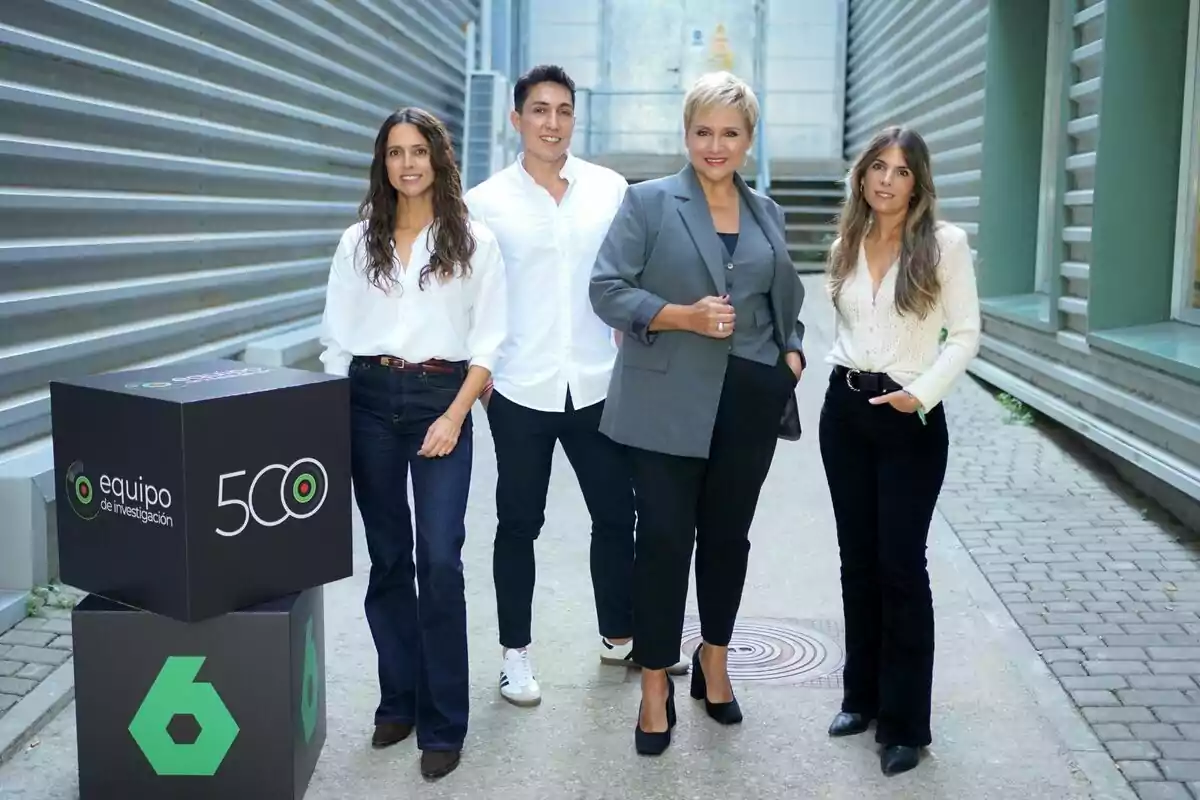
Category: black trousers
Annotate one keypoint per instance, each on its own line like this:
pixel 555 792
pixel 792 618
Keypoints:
pixel 885 470
pixel 708 503
pixel 524 440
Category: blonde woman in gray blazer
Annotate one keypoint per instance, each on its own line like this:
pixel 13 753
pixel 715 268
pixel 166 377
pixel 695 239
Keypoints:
pixel 695 273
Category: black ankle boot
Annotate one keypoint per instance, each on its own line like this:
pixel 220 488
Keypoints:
pixel 849 724
pixel 725 713
pixel 897 758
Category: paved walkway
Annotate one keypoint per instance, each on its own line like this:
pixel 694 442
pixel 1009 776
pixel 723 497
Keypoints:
pixel 1004 727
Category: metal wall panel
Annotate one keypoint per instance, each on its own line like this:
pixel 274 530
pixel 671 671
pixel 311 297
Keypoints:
pixel 1084 56
pixel 920 63
pixel 175 174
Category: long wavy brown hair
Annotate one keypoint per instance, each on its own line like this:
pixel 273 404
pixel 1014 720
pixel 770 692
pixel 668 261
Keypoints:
pixel 917 284
pixel 453 244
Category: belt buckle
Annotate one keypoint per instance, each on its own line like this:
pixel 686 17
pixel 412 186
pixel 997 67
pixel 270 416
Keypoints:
pixel 850 373
pixel 399 363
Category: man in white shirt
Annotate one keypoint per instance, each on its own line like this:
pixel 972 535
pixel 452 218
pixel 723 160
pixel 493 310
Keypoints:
pixel 550 211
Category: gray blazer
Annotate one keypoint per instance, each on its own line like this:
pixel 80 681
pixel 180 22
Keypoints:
pixel 662 248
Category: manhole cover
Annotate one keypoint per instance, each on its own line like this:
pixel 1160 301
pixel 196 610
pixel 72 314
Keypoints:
pixel 778 650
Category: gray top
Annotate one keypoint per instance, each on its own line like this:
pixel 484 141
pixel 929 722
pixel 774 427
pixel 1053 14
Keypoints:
pixel 748 276
pixel 662 248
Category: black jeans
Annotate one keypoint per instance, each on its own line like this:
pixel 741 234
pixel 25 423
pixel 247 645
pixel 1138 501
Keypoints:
pixel 524 440
pixel 707 503
pixel 885 470
pixel 421 642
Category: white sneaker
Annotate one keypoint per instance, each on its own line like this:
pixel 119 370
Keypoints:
pixel 517 684
pixel 621 655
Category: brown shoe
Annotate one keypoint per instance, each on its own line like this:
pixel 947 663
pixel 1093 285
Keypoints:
pixel 389 733
pixel 439 763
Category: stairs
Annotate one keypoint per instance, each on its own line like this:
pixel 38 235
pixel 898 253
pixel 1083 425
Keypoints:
pixel 810 208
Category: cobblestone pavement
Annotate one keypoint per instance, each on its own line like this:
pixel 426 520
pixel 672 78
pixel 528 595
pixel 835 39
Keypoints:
pixel 30 651
pixel 1106 586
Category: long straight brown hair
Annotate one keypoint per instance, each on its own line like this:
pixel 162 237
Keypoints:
pixel 917 284
pixel 453 244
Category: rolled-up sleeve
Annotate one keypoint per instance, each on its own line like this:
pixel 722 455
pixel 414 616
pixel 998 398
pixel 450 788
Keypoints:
pixel 614 291
pixel 489 305
pixel 960 304
pixel 338 317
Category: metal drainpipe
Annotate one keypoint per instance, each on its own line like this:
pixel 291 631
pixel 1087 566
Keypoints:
pixel 763 180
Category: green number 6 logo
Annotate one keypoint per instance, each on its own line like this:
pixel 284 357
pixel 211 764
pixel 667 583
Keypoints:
pixel 308 684
pixel 175 692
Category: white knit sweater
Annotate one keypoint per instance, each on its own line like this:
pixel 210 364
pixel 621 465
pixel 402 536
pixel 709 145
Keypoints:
pixel 872 336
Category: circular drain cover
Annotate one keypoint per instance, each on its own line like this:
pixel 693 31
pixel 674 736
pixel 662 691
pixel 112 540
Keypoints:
pixel 768 650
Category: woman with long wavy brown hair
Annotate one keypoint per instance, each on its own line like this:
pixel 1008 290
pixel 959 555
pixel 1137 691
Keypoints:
pixel 898 278
pixel 414 316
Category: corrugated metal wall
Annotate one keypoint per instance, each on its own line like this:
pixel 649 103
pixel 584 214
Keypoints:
pixel 175 174
pixel 1084 58
pixel 920 63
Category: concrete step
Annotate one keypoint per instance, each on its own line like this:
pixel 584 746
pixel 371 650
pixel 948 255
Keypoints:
pixel 13 608
pixel 811 210
pixel 781 193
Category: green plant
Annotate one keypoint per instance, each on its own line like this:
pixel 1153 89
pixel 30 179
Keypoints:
pixel 52 595
pixel 1017 411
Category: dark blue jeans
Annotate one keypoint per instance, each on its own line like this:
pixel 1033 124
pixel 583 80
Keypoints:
pixel 422 643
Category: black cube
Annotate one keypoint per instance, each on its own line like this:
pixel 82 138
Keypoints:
pixel 196 489
pixel 230 707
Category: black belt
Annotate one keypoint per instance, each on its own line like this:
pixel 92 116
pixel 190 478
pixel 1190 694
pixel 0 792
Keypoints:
pixel 432 365
pixel 868 382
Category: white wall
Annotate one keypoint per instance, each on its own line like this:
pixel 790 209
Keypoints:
pixel 647 47
pixel 567 33
pixel 805 76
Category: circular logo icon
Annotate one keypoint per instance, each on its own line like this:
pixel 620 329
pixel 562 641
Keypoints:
pixel 80 493
pixel 304 488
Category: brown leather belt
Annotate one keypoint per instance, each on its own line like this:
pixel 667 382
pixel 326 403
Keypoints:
pixel 391 362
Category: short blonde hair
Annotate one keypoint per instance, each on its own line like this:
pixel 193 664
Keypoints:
pixel 721 89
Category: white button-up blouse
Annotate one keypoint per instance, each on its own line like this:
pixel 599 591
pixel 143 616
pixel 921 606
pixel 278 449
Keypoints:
pixel 871 335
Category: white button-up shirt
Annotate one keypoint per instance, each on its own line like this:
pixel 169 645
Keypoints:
pixel 872 336
pixel 463 319
pixel 555 340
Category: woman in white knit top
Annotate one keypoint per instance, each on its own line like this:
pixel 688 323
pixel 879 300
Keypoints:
pixel 898 278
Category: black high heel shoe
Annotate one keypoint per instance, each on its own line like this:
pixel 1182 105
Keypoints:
pixel 725 713
pixel 653 744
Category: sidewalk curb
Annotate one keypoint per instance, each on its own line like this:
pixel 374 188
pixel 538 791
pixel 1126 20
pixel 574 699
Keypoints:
pixel 31 713
pixel 1052 702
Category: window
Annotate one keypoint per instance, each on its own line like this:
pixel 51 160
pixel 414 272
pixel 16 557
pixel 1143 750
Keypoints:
pixel 1187 238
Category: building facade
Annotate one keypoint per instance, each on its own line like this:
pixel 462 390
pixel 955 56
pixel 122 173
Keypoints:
pixel 174 177
pixel 1066 141
pixel 633 61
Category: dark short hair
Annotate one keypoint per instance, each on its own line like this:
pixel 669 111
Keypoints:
pixel 542 73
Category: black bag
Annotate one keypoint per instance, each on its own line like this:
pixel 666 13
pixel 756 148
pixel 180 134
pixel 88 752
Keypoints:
pixel 789 425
